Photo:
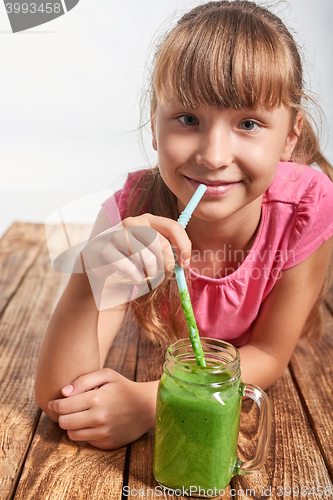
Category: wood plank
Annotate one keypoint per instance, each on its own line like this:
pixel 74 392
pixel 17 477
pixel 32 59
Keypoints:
pixel 294 459
pixel 21 328
pixel 76 233
pixel 57 467
pixel 19 247
pixel 149 367
pixel 312 368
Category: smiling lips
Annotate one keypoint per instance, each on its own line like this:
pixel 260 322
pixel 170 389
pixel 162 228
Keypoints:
pixel 214 188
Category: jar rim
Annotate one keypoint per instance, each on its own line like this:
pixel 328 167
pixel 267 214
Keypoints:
pixel 180 355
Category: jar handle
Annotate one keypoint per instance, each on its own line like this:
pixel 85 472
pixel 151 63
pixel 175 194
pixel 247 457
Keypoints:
pixel 265 421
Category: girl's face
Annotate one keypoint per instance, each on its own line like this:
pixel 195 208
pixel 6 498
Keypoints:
pixel 234 152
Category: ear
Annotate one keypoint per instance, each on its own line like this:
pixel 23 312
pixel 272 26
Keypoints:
pixel 291 139
pixel 153 129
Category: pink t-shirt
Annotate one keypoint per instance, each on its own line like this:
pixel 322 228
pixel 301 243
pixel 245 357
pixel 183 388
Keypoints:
pixel 297 217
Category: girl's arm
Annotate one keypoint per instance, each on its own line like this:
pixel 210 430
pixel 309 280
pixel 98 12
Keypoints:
pixel 282 317
pixel 77 338
pixel 103 408
pixel 75 342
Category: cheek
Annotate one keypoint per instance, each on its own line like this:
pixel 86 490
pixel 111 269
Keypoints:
pixel 265 176
pixel 172 153
pixel 261 173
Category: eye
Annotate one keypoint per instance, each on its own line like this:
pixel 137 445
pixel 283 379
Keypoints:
pixel 248 125
pixel 188 120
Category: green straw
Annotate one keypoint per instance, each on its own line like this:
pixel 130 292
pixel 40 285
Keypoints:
pixel 182 285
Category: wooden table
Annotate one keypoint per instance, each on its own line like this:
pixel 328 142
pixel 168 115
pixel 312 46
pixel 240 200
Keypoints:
pixel 39 461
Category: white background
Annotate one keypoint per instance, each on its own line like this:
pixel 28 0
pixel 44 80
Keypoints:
pixel 70 92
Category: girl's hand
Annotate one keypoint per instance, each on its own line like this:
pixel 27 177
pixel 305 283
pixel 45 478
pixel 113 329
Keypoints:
pixel 125 247
pixel 123 257
pixel 106 409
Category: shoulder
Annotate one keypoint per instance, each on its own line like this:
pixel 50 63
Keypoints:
pixel 302 209
pixel 295 184
pixel 116 205
pixel 134 179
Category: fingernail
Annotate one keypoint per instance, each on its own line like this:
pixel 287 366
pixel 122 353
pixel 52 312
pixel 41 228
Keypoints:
pixel 186 262
pixel 49 405
pixel 67 389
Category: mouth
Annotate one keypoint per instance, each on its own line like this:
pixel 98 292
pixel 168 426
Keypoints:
pixel 214 187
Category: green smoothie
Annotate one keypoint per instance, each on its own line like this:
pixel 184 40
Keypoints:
pixel 196 429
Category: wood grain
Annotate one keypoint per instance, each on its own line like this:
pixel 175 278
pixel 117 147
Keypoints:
pixel 55 467
pixel 294 459
pixel 149 367
pixel 19 247
pixel 58 468
pixel 21 329
pixel 312 369
pixel 38 461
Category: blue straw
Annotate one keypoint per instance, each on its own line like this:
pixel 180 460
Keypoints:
pixel 182 285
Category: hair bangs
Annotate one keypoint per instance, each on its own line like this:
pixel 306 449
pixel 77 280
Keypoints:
pixel 233 61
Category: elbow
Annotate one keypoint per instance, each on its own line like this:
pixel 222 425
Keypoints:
pixel 43 401
pixel 261 367
pixel 279 367
pixel 273 375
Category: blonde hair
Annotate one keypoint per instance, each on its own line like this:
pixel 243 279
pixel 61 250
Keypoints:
pixel 224 54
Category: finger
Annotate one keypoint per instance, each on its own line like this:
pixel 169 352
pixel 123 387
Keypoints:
pixel 127 245
pixel 122 252
pixel 141 253
pixel 168 254
pixel 154 249
pixel 91 380
pixel 94 252
pixel 144 244
pixel 157 253
pixel 129 268
pixel 152 262
pixel 78 420
pixel 87 434
pixel 65 406
pixel 170 229
pixel 139 249
pixel 107 249
pixel 140 237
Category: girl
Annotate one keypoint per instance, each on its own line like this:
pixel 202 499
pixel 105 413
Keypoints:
pixel 227 110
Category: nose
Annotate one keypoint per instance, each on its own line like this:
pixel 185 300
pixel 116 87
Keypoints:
pixel 214 149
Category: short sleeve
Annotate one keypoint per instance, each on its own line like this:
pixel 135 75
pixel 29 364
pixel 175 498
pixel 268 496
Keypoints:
pixel 313 223
pixel 115 206
pixel 110 207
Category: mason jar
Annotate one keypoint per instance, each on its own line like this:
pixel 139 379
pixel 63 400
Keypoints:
pixel 197 419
